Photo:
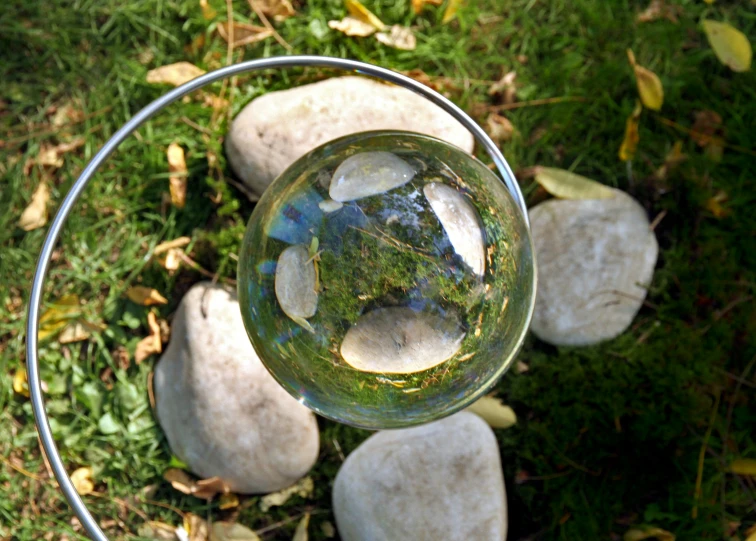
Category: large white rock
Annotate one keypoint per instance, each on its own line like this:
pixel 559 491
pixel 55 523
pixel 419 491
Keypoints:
pixel 436 482
pixel 222 412
pixel 277 128
pixel 596 259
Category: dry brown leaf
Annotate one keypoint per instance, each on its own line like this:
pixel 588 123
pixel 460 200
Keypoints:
pixel 451 10
pixel 506 87
pixel 706 126
pixel 302 488
pixel 202 488
pixel 499 128
pixel 177 168
pixel 496 414
pixel 78 331
pixel 568 185
pixel 419 5
pixel 21 382
pixel 674 157
pixel 146 296
pixel 244 34
pixel 632 137
pixel 278 9
pixel 658 9
pixel 231 531
pixel 172 260
pixel 151 344
pixel 352 26
pixel 650 88
pixel 52 156
pixel 399 37
pixel 81 479
pixel 174 74
pixel 714 205
pixel 360 12
pixel 34 215
pixel 637 534
pixel 229 500
pixel 744 466
pixel 208 12
pixel 196 528
pixel 158 531
pixel 171 244
pixel 730 45
pixel 67 113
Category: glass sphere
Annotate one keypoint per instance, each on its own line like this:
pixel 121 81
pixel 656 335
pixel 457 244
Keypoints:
pixel 386 279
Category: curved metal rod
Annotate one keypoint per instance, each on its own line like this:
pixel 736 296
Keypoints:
pixel 43 263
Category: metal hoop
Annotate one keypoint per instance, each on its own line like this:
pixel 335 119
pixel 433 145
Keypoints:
pixel 43 263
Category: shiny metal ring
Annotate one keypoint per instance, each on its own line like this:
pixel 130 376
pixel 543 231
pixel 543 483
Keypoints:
pixel 43 264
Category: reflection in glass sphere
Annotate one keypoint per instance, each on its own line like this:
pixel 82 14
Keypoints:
pixel 386 279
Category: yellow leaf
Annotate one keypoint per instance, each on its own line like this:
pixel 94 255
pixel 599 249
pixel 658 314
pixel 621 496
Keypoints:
pixel 303 488
pixel 230 531
pixel 146 296
pixel 714 205
pixel 171 244
pixel 637 534
pixel 351 26
pixel 150 344
pixel 82 481
pixel 21 382
pixel 499 128
pixel 300 534
pixel 567 185
pixel 398 37
pixel 751 537
pixel 744 466
pixel 208 13
pixel 419 5
pixel 630 142
pixel 60 314
pixel 278 9
pixel 244 34
pixel 496 414
pixel 229 500
pixel 177 168
pixel 649 86
pixel 174 74
pixel 360 12
pixel 451 10
pixel 34 215
pixel 730 45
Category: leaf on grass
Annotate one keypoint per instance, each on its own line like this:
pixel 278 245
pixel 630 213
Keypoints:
pixel 79 330
pixel 58 315
pixel 195 528
pixel 303 488
pixel 506 87
pixel 419 5
pixel 451 10
pixel 177 168
pixel 146 296
pixel 360 12
pixel 567 185
pixel 208 12
pixel 499 128
pixel 52 156
pixel 174 74
pixel 34 215
pixel 637 534
pixel 202 488
pixel 744 466
pixel 81 479
pixel 398 37
pixel 151 344
pixel 730 45
pixel 707 125
pixel 632 137
pixel 244 34
pixel 229 500
pixel 231 531
pixel 658 9
pixel 300 534
pixel 278 9
pixel 714 205
pixel 673 158
pixel 650 89
pixel 21 382
pixel 352 26
pixel 159 531
pixel 496 414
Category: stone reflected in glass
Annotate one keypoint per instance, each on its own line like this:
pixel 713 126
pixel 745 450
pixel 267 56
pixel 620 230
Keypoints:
pixel 386 279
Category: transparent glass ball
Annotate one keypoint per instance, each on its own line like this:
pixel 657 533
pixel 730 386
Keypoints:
pixel 386 279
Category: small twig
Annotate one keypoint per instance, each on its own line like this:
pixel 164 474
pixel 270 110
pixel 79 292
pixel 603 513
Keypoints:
pixel 204 272
pixel 266 24
pixel 21 470
pixel 702 456
pixel 196 126
pixel 721 313
pixel 694 133
pixel 26 137
pixel 165 506
pixel 736 378
pixel 338 449
pixel 120 501
pixel 657 220
pixel 286 521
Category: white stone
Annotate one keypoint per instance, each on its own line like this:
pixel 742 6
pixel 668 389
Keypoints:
pixel 595 259
pixel 296 282
pixel 436 482
pixel 461 223
pixel 277 128
pixel 222 412
pixel 368 173
pixel 400 340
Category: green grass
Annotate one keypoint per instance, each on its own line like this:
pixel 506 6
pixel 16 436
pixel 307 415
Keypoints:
pixel 609 436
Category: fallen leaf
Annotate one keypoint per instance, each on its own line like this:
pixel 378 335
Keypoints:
pixel 499 128
pixel 202 488
pixel 244 34
pixel 673 158
pixel 216 102
pixel 419 5
pixel 78 331
pixel 66 114
pixel 360 12
pixel 230 531
pixel 399 37
pixel 208 12
pixel 303 488
pixel 496 414
pixel 172 260
pixel 34 215
pixel 21 382
pixel 744 466
pixel 751 533
pixel 706 126
pixel 229 500
pixel 146 296
pixel 658 9
pixel 58 315
pixel 174 74
pixel 195 527
pixel 730 45
pixel 352 26
pixel 151 344
pixel 177 168
pixel 451 10
pixel 171 244
pixel 278 9
pixel 636 534
pixel 714 205
pixel 52 156
pixel 630 142
pixel 649 86
pixel 567 185
pixel 506 87
pixel 300 534
pixel 81 479
pixel 158 531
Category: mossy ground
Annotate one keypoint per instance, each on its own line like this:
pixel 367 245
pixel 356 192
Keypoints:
pixel 608 436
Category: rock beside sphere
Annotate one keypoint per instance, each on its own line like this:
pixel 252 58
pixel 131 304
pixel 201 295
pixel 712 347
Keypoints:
pixel 440 481
pixel 222 412
pixel 596 259
pixel 276 129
